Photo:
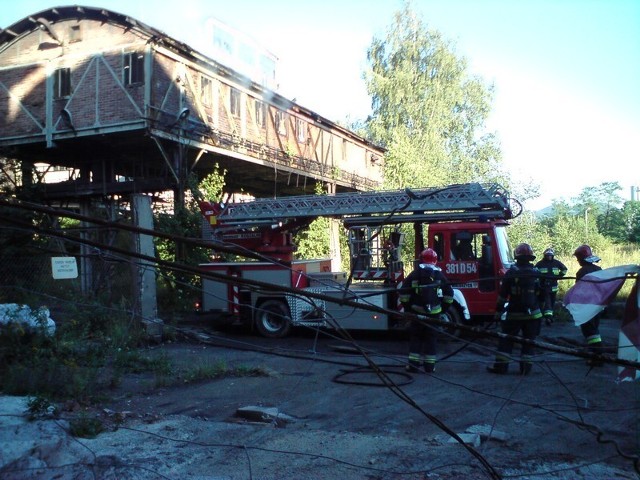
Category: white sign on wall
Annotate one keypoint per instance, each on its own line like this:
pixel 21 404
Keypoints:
pixel 64 267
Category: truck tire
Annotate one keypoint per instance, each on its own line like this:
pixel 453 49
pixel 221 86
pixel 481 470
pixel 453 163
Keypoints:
pixel 455 319
pixel 272 319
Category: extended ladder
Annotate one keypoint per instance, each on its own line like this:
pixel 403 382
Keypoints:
pixel 454 202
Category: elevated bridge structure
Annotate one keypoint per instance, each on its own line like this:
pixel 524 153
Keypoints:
pixel 130 110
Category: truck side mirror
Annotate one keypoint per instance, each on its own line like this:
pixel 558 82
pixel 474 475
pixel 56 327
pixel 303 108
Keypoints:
pixel 487 254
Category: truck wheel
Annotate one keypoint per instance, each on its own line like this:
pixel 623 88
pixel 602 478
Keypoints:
pixel 455 319
pixel 272 319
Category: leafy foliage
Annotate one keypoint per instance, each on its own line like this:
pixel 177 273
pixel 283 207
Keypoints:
pixel 178 291
pixel 593 217
pixel 211 186
pixel 86 426
pixel 427 110
pixel 313 241
pixel 67 364
pixel 625 223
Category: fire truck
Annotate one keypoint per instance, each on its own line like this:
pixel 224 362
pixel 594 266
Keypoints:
pixel 464 223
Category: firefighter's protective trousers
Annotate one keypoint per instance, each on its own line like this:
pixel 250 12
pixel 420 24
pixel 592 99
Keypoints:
pixel 422 343
pixel 529 328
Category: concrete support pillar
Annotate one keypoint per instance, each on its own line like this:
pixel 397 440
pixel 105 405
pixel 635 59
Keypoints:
pixel 86 265
pixel 334 236
pixel 145 272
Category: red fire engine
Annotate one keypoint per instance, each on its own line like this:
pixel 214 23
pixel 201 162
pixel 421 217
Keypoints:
pixel 464 223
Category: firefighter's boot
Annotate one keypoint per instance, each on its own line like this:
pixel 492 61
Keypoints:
pixel 595 349
pixel 415 361
pixel 499 368
pixel 548 320
pixel 525 368
pixel 429 362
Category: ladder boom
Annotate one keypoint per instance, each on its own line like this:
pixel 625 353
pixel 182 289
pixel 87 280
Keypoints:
pixel 454 202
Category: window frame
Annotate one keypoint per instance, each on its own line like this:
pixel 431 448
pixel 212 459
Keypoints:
pixel 62 83
pixel 133 68
pixel 235 96
pixel 260 109
pixel 75 33
pixel 206 90
pixel 301 134
pixel 281 122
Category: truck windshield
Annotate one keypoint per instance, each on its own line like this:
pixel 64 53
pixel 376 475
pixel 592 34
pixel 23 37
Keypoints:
pixel 504 248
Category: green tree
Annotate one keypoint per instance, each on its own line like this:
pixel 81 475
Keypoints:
pixel 565 230
pixel 593 218
pixel 211 186
pixel 599 205
pixel 527 228
pixel 428 111
pixel 313 241
pixel 625 223
pixel 179 290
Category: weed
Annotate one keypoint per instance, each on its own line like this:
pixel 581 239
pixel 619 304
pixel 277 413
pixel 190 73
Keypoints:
pixel 133 361
pixel 206 371
pixel 85 426
pixel 70 364
pixel 220 369
pixel 40 407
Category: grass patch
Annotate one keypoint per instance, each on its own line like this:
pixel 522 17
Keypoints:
pixel 51 376
pixel 75 362
pixel 205 371
pixel 219 369
pixel 133 361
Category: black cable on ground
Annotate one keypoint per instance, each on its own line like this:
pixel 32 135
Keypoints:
pixel 593 429
pixel 367 370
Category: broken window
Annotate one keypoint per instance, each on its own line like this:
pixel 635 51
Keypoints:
pixel 281 125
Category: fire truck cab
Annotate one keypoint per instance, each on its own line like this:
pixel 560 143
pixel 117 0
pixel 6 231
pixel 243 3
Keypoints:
pixel 473 256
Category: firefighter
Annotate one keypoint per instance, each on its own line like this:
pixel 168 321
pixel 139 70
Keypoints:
pixel 552 269
pixel 591 329
pixel 519 297
pixel 425 291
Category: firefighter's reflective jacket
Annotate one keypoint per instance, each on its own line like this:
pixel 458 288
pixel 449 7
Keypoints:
pixel 551 271
pixel 426 290
pixel 521 292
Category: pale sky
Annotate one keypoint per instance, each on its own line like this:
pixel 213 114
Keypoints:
pixel 566 72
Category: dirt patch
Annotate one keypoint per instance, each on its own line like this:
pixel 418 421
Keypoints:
pixel 330 415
